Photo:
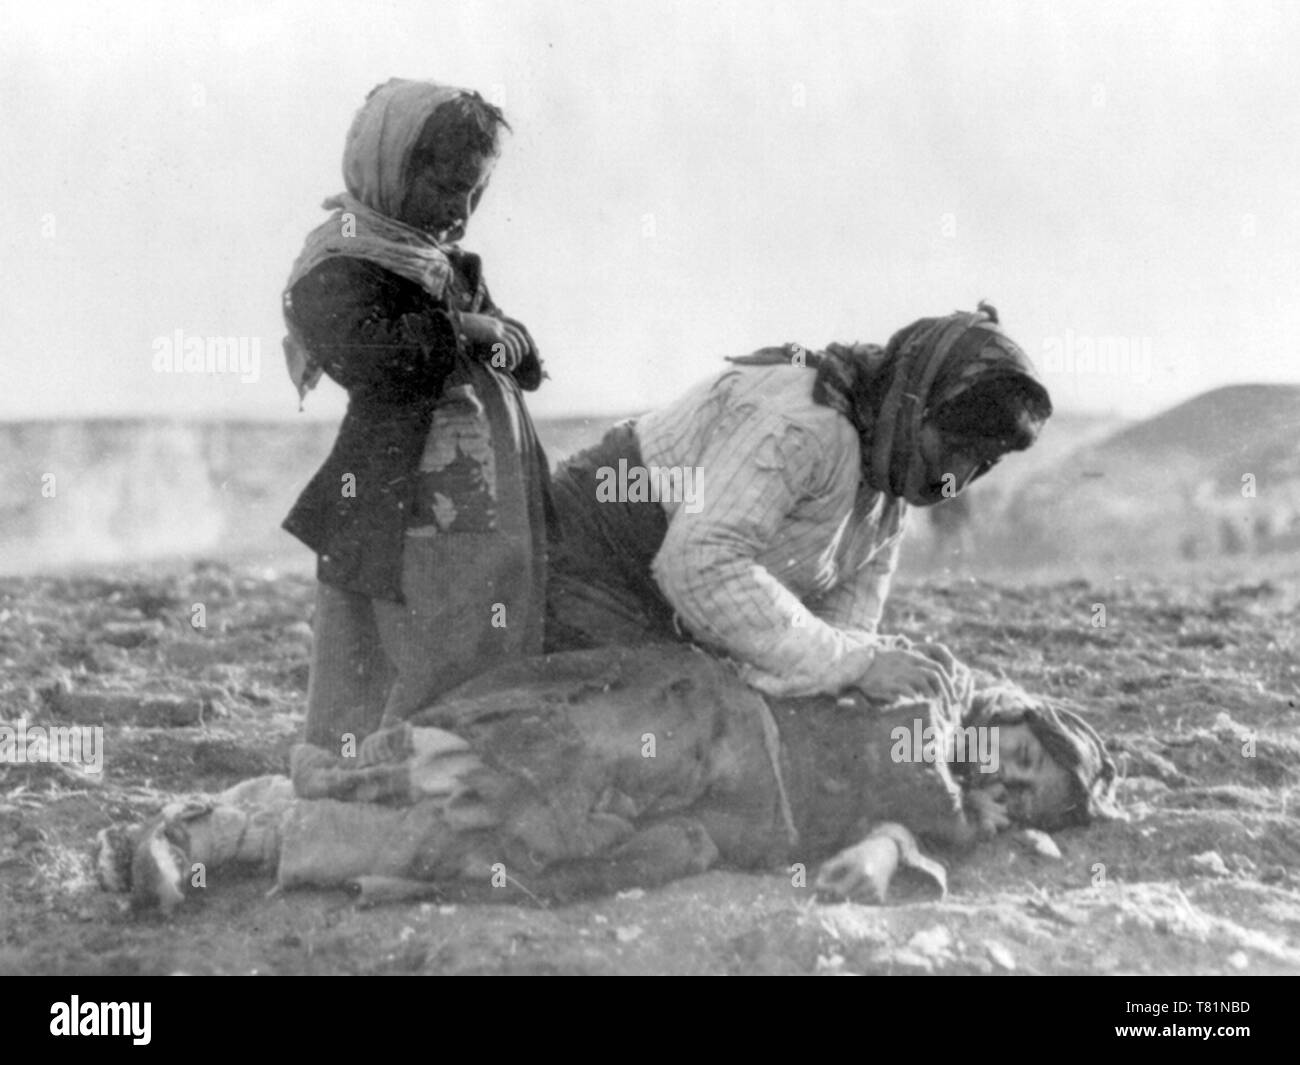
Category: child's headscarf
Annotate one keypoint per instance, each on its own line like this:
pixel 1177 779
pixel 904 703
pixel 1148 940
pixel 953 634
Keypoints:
pixel 1070 742
pixel 366 222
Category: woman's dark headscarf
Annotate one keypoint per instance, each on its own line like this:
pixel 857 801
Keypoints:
pixel 887 393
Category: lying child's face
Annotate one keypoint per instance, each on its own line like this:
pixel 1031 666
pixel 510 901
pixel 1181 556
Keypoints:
pixel 442 195
pixel 1034 788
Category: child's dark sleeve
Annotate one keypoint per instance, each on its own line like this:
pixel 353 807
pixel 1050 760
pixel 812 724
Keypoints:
pixel 378 335
pixel 525 364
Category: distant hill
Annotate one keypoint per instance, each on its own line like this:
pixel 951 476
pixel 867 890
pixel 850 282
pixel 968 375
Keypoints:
pixel 1219 473
pixel 1229 431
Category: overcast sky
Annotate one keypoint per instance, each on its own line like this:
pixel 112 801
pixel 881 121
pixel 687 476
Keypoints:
pixel 685 181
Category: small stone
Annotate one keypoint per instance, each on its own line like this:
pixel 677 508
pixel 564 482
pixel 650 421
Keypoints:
pixel 628 933
pixel 1002 957
pixel 932 942
pixel 1241 863
pixel 1238 960
pixel 1039 842
pixel 1211 862
pixel 130 634
pixel 1223 723
pixel 904 958
pixel 632 893
pixel 299 630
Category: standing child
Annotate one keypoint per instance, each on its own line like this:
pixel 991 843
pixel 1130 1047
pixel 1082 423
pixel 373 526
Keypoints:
pixel 429 515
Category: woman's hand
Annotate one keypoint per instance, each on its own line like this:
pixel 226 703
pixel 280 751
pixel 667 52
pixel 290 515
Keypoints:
pixel 925 671
pixel 939 653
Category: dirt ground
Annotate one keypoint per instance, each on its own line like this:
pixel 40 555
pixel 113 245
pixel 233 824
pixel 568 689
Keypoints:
pixel 1195 679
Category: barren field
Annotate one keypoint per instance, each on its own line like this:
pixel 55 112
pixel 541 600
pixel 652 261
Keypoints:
pixel 1195 679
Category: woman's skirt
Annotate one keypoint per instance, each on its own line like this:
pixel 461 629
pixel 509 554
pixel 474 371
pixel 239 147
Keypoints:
pixel 600 590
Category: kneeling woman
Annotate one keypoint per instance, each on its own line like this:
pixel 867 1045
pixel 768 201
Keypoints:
pixel 802 465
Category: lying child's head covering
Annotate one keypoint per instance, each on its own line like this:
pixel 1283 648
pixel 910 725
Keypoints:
pixel 1069 740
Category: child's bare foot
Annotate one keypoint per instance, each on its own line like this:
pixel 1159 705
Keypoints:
pixel 160 868
pixel 150 860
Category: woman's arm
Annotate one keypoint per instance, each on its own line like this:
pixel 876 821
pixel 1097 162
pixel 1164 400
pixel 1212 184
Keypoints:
pixel 859 602
pixel 751 479
pixel 707 566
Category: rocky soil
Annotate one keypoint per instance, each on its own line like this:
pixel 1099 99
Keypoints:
pixel 1195 678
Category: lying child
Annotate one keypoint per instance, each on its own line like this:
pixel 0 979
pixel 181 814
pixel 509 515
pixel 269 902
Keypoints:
pixel 1051 771
pixel 594 771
